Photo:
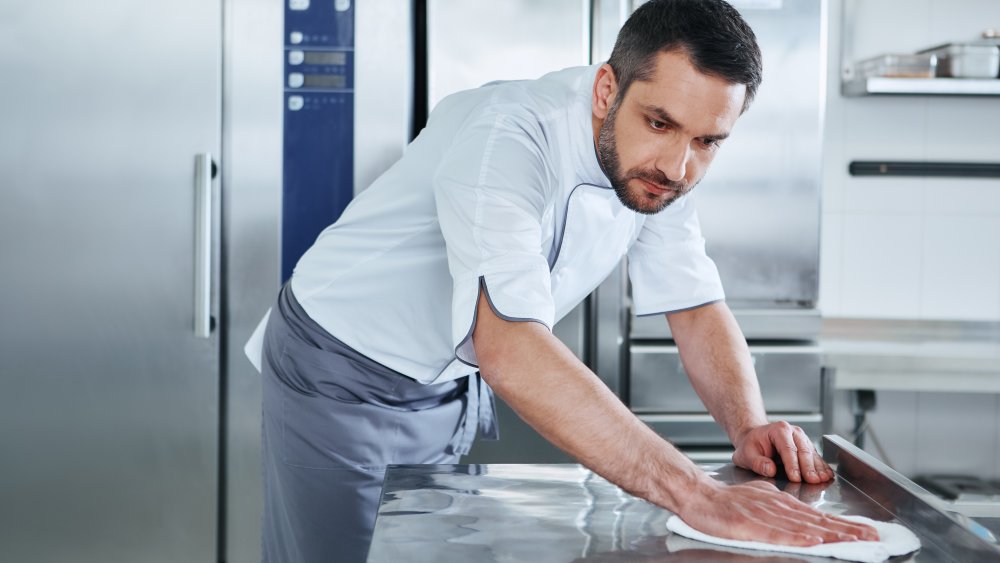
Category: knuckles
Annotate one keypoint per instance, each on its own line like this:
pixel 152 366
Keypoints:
pixel 783 426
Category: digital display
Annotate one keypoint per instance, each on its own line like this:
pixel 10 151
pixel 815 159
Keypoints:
pixel 325 81
pixel 325 58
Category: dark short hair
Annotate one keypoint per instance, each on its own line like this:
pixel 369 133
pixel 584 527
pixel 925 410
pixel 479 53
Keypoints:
pixel 711 32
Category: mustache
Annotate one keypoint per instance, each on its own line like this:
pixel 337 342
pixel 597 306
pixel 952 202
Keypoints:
pixel 660 179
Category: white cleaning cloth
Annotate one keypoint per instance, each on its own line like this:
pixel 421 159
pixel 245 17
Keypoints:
pixel 893 540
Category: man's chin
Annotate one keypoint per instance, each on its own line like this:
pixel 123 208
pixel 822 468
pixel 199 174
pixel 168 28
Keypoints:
pixel 644 203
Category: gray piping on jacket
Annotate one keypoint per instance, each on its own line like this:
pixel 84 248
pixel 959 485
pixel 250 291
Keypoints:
pixel 562 230
pixel 483 290
pixel 681 310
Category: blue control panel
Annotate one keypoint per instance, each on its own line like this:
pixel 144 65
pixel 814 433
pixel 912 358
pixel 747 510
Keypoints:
pixel 318 170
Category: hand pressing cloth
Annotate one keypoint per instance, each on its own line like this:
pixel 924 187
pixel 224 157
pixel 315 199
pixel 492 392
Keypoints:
pixel 894 540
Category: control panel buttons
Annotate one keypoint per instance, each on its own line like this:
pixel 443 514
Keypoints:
pixel 296 57
pixel 298 5
pixel 295 37
pixel 341 5
pixel 296 79
pixel 295 103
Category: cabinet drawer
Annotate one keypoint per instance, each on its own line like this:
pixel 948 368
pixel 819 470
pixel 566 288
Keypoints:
pixel 789 376
pixel 687 430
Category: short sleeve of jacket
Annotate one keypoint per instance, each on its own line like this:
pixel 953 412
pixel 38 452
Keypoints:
pixel 668 267
pixel 490 194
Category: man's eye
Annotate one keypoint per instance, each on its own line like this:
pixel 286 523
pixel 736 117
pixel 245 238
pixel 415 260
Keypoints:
pixel 710 143
pixel 658 125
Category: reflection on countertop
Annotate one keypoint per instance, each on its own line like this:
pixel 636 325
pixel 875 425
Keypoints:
pixel 542 513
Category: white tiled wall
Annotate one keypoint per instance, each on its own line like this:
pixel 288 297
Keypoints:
pixel 908 248
pixel 913 248
pixel 932 433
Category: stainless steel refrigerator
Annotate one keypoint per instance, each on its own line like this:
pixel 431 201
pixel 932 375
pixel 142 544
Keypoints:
pixel 140 159
pixel 149 157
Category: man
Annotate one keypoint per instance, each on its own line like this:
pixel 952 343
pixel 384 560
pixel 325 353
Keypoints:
pixel 443 279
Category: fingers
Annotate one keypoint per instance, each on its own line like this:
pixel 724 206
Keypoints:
pixel 862 531
pixel 755 454
pixel 795 515
pixel 807 457
pixel 806 524
pixel 758 512
pixel 783 437
pixel 763 465
pixel 801 460
pixel 833 528
pixel 833 523
pixel 824 470
pixel 798 455
pixel 781 531
pixel 751 512
pixel 838 529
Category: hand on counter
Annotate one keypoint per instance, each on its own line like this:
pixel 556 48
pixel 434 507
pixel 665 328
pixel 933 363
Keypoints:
pixel 757 448
pixel 757 511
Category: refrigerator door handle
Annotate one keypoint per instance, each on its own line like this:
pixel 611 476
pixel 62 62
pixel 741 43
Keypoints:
pixel 203 245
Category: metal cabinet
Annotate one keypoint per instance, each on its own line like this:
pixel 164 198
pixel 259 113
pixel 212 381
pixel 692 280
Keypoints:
pixel 662 396
pixel 788 377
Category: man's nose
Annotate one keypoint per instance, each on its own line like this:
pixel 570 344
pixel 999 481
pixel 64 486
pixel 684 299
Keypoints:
pixel 673 161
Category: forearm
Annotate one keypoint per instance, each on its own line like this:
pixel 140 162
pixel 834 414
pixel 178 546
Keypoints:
pixel 567 404
pixel 558 396
pixel 718 363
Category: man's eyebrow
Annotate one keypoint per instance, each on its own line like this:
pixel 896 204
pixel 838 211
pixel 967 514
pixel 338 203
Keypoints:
pixel 662 115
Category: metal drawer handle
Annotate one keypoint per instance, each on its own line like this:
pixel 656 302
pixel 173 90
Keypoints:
pixel 707 418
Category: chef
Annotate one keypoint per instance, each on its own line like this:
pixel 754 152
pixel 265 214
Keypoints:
pixel 440 283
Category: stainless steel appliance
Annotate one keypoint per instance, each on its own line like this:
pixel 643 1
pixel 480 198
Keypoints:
pixel 141 155
pixel 339 73
pixel 147 156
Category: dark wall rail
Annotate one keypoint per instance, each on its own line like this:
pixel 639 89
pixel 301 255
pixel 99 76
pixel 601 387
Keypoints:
pixel 937 169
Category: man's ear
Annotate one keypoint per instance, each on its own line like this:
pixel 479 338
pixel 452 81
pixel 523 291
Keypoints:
pixel 605 90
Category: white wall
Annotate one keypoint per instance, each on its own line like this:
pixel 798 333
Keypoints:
pixel 931 433
pixel 908 248
pixel 913 248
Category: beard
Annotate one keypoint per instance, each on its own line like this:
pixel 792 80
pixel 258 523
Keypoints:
pixel 638 200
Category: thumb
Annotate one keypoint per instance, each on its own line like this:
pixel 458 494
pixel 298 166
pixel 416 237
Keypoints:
pixel 762 465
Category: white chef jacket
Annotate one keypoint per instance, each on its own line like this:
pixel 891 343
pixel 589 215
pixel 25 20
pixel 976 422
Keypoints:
pixel 502 192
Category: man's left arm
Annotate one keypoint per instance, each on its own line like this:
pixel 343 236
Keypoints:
pixel 718 363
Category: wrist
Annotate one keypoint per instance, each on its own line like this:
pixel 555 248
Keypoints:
pixel 737 435
pixel 697 493
pixel 677 485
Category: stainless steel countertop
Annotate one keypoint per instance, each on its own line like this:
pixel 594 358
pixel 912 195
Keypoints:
pixel 905 355
pixel 486 513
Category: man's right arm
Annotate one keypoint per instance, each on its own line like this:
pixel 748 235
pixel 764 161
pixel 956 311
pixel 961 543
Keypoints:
pixel 565 402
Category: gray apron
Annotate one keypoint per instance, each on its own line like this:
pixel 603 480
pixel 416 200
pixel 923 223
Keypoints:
pixel 332 421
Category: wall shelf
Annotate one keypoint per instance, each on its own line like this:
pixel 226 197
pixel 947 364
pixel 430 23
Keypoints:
pixel 878 85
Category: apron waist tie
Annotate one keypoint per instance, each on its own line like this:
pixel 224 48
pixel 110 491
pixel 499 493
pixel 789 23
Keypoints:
pixel 480 414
